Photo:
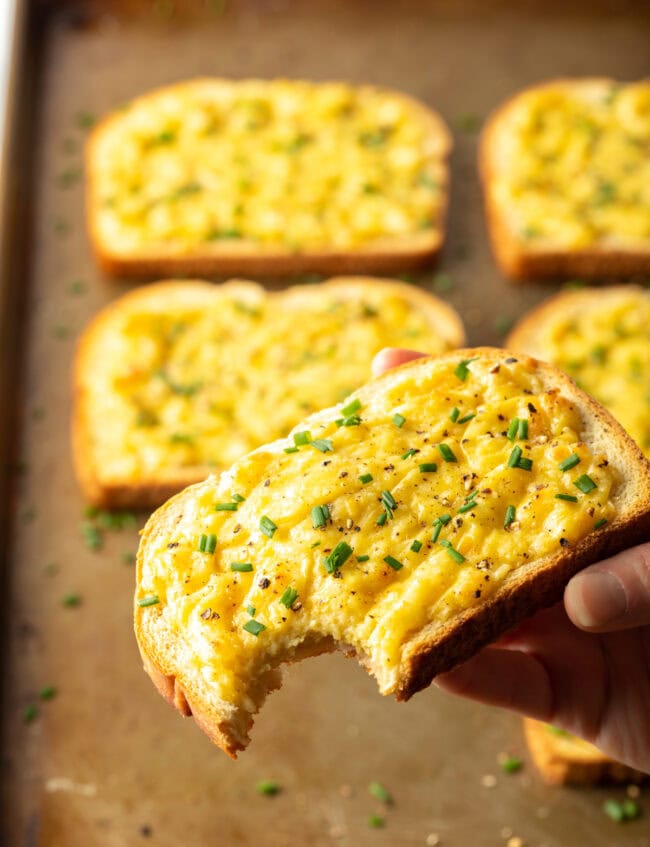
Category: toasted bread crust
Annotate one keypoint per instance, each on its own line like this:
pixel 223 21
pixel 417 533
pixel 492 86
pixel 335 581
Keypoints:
pixel 384 256
pixel 438 648
pixel 98 488
pixel 515 258
pixel 561 763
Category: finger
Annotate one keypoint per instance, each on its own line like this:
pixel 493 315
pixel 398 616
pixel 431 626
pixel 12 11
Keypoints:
pixel 391 357
pixel 612 595
pixel 510 679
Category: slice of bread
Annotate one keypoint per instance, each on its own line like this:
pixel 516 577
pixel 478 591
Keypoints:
pixel 267 177
pixel 601 338
pixel 176 380
pixel 567 180
pixel 564 759
pixel 410 526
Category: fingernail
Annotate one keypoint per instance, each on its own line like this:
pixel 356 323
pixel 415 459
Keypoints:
pixel 598 599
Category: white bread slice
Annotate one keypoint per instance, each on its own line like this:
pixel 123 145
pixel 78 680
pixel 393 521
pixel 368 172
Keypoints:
pixel 600 337
pixel 267 177
pixel 330 545
pixel 566 180
pixel 176 380
pixel 564 759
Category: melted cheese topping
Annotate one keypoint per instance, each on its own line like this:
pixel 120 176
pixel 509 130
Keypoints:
pixel 606 349
pixel 572 165
pixel 388 588
pixel 199 381
pixel 211 165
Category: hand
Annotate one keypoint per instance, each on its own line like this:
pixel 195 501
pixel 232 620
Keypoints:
pixel 583 665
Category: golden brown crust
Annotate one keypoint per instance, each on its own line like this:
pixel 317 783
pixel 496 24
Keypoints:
pixel 515 258
pixel 438 648
pixel 144 493
pixel 560 761
pixel 385 256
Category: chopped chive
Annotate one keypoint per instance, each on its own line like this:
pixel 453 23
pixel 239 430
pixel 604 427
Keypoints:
pixel 510 516
pixel 461 370
pixel 71 600
pixel 363 558
pixel 352 407
pixel 254 627
pixel 585 483
pixel 366 478
pixel 388 500
pixel 267 526
pixel 455 412
pixel 207 543
pixel 428 467
pixel 409 453
pixel 394 563
pixel 447 453
pixel 301 438
pixel 380 792
pixel 241 567
pixel 268 787
pixel 338 557
pixel 515 456
pixel 30 713
pixel 381 520
pixel 601 523
pixel 290 449
pixel 436 532
pixel 513 429
pixel 399 420
pixel 375 821
pixel 467 418
pixel 237 498
pixel 443 519
pixel 48 692
pixel 525 464
pixel 416 546
pixel 568 497
pixel 471 495
pixel 522 433
pixel 320 516
pixel 226 507
pixel 570 462
pixel 352 420
pixel 511 764
pixel 323 444
pixel 315 544
pixel 251 610
pixel 470 503
pixel 152 600
pixel 455 555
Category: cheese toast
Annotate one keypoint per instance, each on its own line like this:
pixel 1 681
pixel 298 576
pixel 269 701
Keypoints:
pixel 566 178
pixel 267 177
pixel 176 380
pixel 410 525
pixel 564 759
pixel 600 337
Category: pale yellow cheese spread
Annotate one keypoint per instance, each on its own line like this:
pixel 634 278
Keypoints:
pixel 571 167
pixel 188 381
pixel 433 493
pixel 605 347
pixel 209 165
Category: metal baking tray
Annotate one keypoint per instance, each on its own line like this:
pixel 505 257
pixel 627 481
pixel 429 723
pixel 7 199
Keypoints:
pixel 105 761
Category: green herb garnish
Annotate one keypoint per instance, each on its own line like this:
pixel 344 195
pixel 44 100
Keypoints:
pixel 152 600
pixel 241 567
pixel 522 432
pixel 375 821
pixel 289 597
pixel 399 420
pixel 568 497
pixel 454 554
pixel 225 507
pixel 601 523
pixel 352 407
pixel 428 467
pixel 30 713
pixel 251 610
pixel 320 516
pixel 467 418
pixel 570 462
pixel 381 520
pixel 513 429
pixel 48 692
pixel 447 453
pixel 416 546
pixel 515 456
pixel 366 478
pixel 363 558
pixel 409 453
pixel 267 526
pixel 338 557
pixel 585 483
pixel 268 787
pixel 394 563
pixel 461 370
pixel 324 445
pixel 511 764
pixel 207 543
pixel 510 516
pixel 71 600
pixel 291 449
pixel 254 627
pixel 380 792
pixel 455 412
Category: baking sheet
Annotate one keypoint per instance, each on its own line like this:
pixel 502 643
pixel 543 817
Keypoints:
pixel 106 761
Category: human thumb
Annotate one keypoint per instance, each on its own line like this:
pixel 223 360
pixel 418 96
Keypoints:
pixel 613 594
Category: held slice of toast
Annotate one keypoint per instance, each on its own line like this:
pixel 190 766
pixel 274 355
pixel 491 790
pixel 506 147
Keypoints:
pixel 178 379
pixel 600 337
pixel 566 179
pixel 267 177
pixel 409 526
pixel 564 759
